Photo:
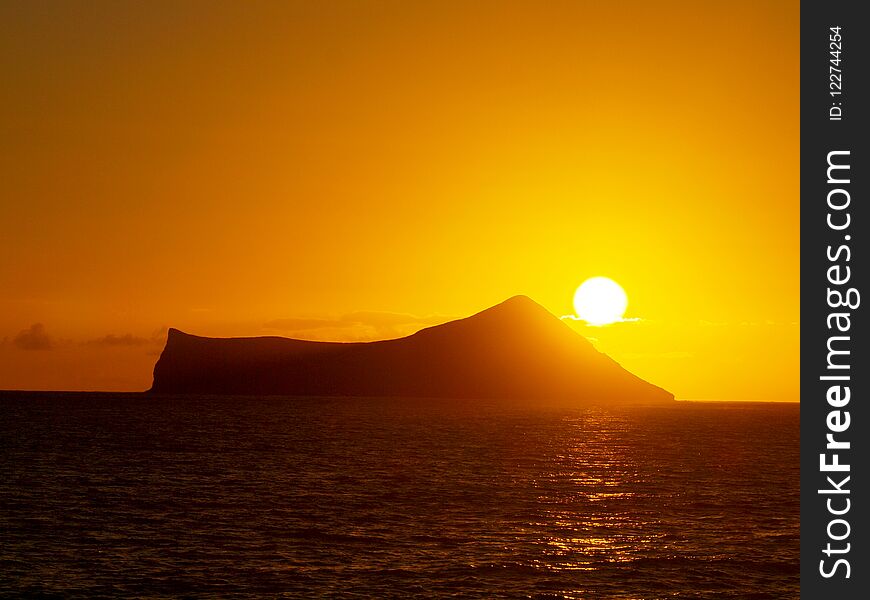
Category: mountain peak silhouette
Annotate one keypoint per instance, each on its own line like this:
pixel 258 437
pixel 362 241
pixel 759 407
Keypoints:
pixel 517 306
pixel 518 302
pixel 516 349
pixel 515 309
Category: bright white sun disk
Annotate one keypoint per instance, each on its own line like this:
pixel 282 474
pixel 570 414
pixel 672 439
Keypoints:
pixel 600 301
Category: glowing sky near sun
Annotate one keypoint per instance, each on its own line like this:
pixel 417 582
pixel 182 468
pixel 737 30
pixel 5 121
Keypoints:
pixel 355 170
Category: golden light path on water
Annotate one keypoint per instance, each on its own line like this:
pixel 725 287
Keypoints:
pixel 431 499
pixel 599 468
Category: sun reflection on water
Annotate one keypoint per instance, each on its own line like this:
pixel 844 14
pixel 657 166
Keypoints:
pixel 592 475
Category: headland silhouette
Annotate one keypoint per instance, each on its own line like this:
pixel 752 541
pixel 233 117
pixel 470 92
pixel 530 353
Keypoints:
pixel 514 350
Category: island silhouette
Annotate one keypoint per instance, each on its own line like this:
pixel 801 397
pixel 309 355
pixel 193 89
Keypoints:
pixel 514 350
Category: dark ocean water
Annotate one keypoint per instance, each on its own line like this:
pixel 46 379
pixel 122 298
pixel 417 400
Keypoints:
pixel 135 496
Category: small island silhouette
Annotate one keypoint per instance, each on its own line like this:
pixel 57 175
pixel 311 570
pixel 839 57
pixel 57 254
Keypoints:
pixel 514 350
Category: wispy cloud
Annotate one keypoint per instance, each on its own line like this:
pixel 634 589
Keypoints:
pixel 33 338
pixel 673 354
pixel 297 324
pixel 588 324
pixel 111 339
pixel 357 325
pixel 158 337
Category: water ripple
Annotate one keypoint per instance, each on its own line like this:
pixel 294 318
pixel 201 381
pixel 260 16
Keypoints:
pixel 128 496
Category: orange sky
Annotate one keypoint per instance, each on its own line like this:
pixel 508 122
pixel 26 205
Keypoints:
pixel 358 170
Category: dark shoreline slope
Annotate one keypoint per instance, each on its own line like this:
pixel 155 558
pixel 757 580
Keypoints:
pixel 514 350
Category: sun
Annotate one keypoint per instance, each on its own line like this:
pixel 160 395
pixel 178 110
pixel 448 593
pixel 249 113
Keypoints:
pixel 600 301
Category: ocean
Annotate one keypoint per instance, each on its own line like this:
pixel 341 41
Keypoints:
pixel 134 496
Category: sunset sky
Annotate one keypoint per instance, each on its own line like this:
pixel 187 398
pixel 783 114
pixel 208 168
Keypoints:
pixel 359 170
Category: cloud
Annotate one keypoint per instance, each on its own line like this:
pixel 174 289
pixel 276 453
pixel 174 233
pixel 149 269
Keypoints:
pixel 158 337
pixel 359 325
pixel 128 339
pixel 674 354
pixel 302 324
pixel 588 324
pixel 34 338
pixel 388 318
